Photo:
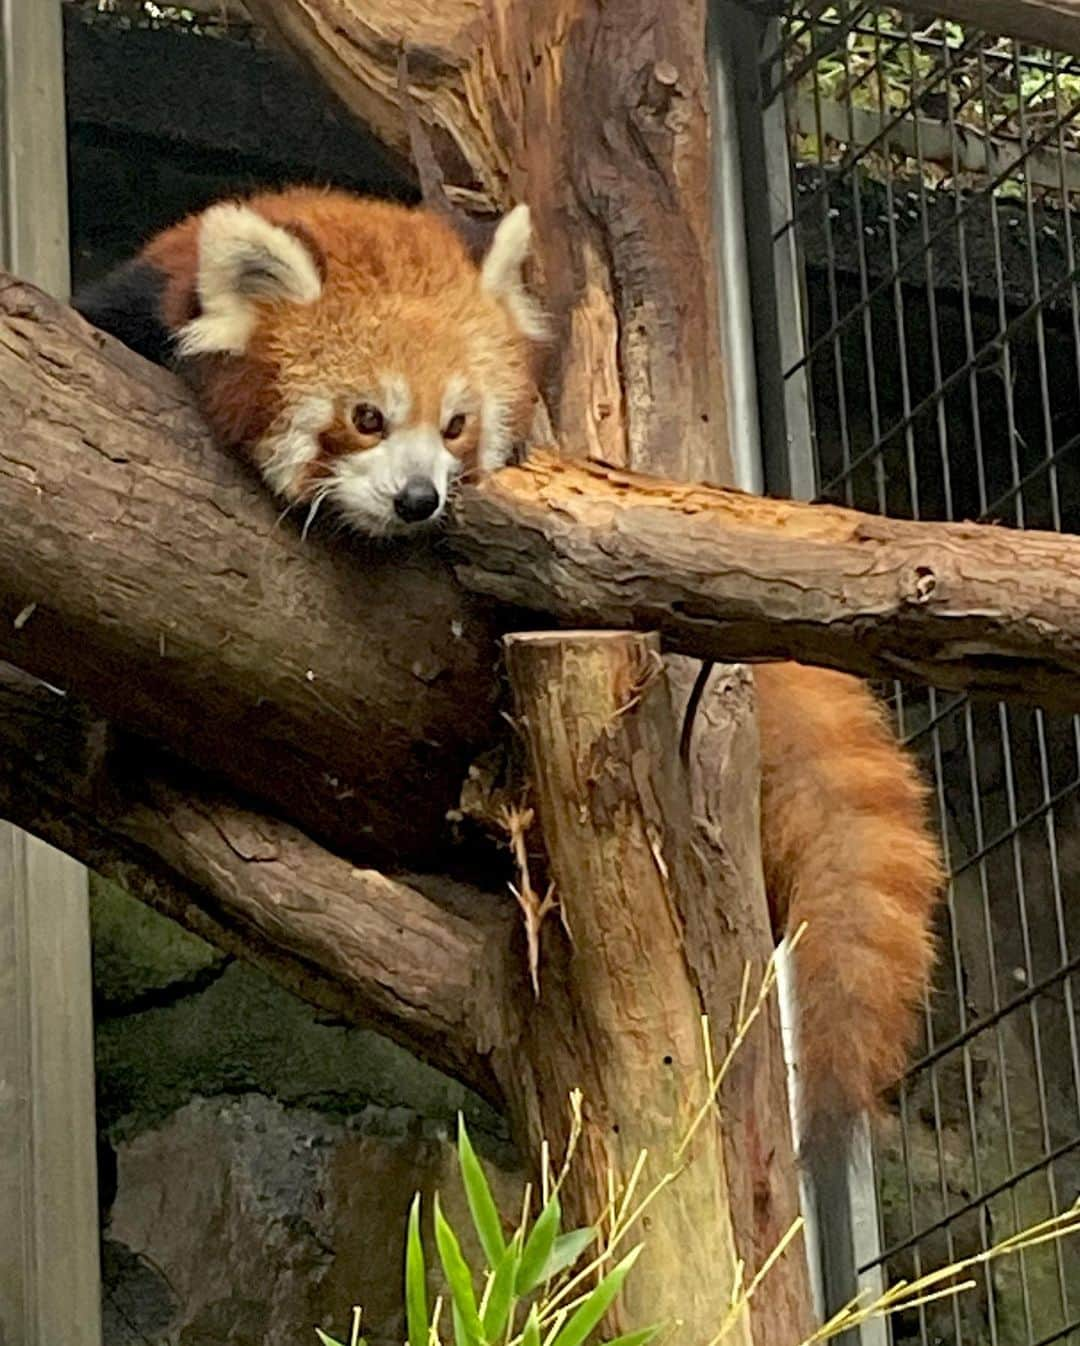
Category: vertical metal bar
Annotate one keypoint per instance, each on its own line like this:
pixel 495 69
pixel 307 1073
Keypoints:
pixel 965 295
pixel 1036 295
pixel 898 297
pixel 34 225
pixel 1004 368
pixel 929 286
pixel 956 956
pixel 777 287
pixel 49 1277
pixel 825 199
pixel 729 229
pixel 995 997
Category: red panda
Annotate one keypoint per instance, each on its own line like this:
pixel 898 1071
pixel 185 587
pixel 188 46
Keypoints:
pixel 350 348
pixel 357 354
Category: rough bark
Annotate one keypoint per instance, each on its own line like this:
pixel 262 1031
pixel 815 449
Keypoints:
pixel 148 573
pixel 722 942
pixel 370 949
pixel 145 570
pixel 597 116
pixel 619 1010
pixel 731 576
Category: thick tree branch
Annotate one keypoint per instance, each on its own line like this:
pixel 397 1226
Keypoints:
pixel 371 949
pixel 348 687
pixel 725 575
pixel 148 572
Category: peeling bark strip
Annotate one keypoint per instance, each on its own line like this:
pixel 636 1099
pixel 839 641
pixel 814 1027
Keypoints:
pixel 371 949
pixel 619 1013
pixel 145 570
pixel 596 116
pixel 725 575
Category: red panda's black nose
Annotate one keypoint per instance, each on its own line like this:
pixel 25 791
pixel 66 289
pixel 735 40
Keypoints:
pixel 418 499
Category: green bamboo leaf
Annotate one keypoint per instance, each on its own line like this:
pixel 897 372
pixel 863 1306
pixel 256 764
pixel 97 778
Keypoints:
pixel 641 1337
pixel 416 1312
pixel 538 1248
pixel 588 1314
pixel 326 1341
pixel 501 1299
pixel 458 1277
pixel 531 1334
pixel 481 1203
pixel 462 1334
pixel 566 1250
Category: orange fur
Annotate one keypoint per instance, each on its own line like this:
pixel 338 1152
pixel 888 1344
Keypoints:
pixel 848 850
pixel 400 293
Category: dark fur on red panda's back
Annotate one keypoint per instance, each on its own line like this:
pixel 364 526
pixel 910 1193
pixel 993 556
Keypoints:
pixel 126 303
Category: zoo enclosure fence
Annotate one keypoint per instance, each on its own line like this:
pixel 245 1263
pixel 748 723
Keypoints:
pixel 917 321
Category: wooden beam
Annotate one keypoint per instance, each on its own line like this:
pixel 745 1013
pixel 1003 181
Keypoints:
pixel 1043 23
pixel 615 813
pixel 33 147
pixel 48 1166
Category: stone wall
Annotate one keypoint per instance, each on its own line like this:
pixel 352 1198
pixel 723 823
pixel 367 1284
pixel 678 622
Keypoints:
pixel 256 1160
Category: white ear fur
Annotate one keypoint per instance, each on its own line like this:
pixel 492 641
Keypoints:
pixel 243 258
pixel 500 273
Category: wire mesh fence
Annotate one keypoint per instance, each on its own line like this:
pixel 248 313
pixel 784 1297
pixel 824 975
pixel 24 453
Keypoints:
pixel 927 234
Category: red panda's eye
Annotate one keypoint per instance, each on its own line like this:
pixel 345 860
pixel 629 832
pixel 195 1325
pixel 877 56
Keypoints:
pixel 454 426
pixel 368 420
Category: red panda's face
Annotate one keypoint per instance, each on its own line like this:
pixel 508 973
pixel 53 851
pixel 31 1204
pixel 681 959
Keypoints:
pixel 360 358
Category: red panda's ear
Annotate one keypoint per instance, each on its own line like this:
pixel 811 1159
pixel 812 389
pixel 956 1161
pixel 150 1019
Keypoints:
pixel 500 272
pixel 244 260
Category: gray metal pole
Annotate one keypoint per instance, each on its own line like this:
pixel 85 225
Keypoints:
pixel 50 1290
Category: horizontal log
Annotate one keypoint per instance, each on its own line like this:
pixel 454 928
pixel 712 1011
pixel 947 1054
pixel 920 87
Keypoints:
pixel 146 571
pixel 347 687
pixel 724 575
pixel 1044 23
pixel 369 949
pixel 1053 24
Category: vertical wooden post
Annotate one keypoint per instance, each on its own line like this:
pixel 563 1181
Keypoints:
pixel 49 1278
pixel 49 1281
pixel 619 1011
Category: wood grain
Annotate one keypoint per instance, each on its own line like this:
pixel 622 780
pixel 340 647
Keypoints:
pixel 144 569
pixel 365 947
pixel 597 117
pixel 619 1012
pixel 725 575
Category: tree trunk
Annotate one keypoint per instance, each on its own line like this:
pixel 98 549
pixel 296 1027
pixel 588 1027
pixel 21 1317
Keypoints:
pixel 619 1009
pixel 596 116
